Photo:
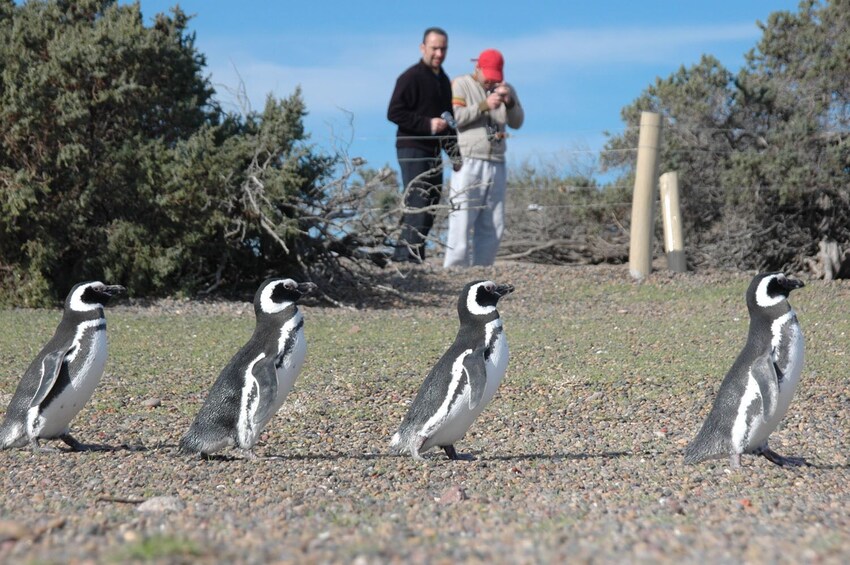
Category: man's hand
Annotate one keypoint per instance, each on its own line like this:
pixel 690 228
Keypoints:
pixel 505 92
pixel 438 125
pixel 494 100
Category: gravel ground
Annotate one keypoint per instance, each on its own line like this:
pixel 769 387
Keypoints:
pixel 579 456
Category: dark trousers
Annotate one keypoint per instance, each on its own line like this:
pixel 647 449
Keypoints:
pixel 422 174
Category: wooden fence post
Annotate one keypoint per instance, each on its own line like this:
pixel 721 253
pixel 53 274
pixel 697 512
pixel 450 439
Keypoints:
pixel 640 247
pixel 672 214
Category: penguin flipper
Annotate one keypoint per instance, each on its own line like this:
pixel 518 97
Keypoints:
pixel 50 367
pixel 476 375
pixel 764 373
pixel 264 372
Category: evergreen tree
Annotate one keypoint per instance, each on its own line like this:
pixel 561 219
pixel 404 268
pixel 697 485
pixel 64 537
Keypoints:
pixel 116 163
pixel 763 156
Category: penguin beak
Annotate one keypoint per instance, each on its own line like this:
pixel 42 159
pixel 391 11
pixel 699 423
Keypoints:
pixel 790 284
pixel 503 289
pixel 113 289
pixel 306 287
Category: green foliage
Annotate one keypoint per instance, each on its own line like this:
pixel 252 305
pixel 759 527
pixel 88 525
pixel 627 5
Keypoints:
pixel 155 548
pixel 762 156
pixel 116 164
pixel 90 100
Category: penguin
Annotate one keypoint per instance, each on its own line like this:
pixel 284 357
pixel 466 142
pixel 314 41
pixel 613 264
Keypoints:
pixel 463 381
pixel 253 385
pixel 756 392
pixel 63 376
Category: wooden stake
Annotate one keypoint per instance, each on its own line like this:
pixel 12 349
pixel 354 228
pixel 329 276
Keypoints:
pixel 640 248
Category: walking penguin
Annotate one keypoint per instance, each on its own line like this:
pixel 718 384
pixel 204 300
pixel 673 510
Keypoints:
pixel 754 396
pixel 63 376
pixel 256 381
pixel 465 378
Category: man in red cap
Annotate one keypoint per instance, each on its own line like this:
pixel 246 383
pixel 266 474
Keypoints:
pixel 484 105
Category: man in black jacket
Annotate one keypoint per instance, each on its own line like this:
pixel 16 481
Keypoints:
pixel 422 93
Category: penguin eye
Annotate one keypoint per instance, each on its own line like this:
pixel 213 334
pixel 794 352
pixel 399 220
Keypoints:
pixel 490 287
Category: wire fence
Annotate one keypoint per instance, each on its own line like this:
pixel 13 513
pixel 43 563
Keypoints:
pixel 594 156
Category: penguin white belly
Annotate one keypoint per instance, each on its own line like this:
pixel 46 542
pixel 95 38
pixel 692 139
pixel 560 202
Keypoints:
pixel 789 353
pixel 85 369
pixel 460 416
pixel 289 370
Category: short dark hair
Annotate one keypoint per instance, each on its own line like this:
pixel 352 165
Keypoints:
pixel 437 30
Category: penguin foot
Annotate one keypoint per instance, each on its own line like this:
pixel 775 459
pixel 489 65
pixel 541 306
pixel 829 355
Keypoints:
pixel 76 445
pixel 735 461
pixel 38 448
pixel 454 456
pixel 414 449
pixel 777 459
pixel 250 455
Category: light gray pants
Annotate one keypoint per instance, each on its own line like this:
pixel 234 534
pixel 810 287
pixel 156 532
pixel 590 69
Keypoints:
pixel 477 219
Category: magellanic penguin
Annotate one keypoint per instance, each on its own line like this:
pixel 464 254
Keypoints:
pixel 465 378
pixel 754 396
pixel 63 376
pixel 254 384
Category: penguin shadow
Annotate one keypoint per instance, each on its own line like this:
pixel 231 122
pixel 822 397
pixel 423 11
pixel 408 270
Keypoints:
pixel 825 466
pixel 415 288
pixel 557 456
pixel 97 448
pixel 324 456
pixel 226 457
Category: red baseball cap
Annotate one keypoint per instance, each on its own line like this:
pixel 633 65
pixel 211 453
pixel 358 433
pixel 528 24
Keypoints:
pixel 491 63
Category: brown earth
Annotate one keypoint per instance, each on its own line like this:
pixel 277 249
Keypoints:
pixel 578 458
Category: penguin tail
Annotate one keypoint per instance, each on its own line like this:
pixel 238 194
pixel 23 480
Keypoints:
pixel 204 442
pixel 12 435
pixel 702 448
pixel 692 455
pixel 190 444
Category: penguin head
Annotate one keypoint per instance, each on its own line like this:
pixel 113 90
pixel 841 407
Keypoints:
pixel 88 296
pixel 770 289
pixel 479 298
pixel 275 295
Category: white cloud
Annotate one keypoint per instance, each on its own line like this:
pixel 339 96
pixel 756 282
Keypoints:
pixel 325 88
pixel 621 45
pixel 357 75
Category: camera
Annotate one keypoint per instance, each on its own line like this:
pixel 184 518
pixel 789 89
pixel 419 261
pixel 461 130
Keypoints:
pixel 496 90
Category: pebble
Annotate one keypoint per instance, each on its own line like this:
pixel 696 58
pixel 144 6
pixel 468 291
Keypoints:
pixel 159 504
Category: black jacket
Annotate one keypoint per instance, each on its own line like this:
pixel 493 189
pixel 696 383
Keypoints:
pixel 420 95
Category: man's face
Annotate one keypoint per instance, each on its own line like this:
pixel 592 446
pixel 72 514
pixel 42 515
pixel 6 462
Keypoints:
pixel 489 85
pixel 434 50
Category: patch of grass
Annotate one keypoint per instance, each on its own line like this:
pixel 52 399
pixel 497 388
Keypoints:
pixel 155 548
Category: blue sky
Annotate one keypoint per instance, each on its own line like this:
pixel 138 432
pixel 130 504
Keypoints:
pixel 573 64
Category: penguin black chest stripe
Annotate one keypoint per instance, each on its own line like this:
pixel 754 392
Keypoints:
pixel 494 331
pixel 785 340
pixel 289 339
